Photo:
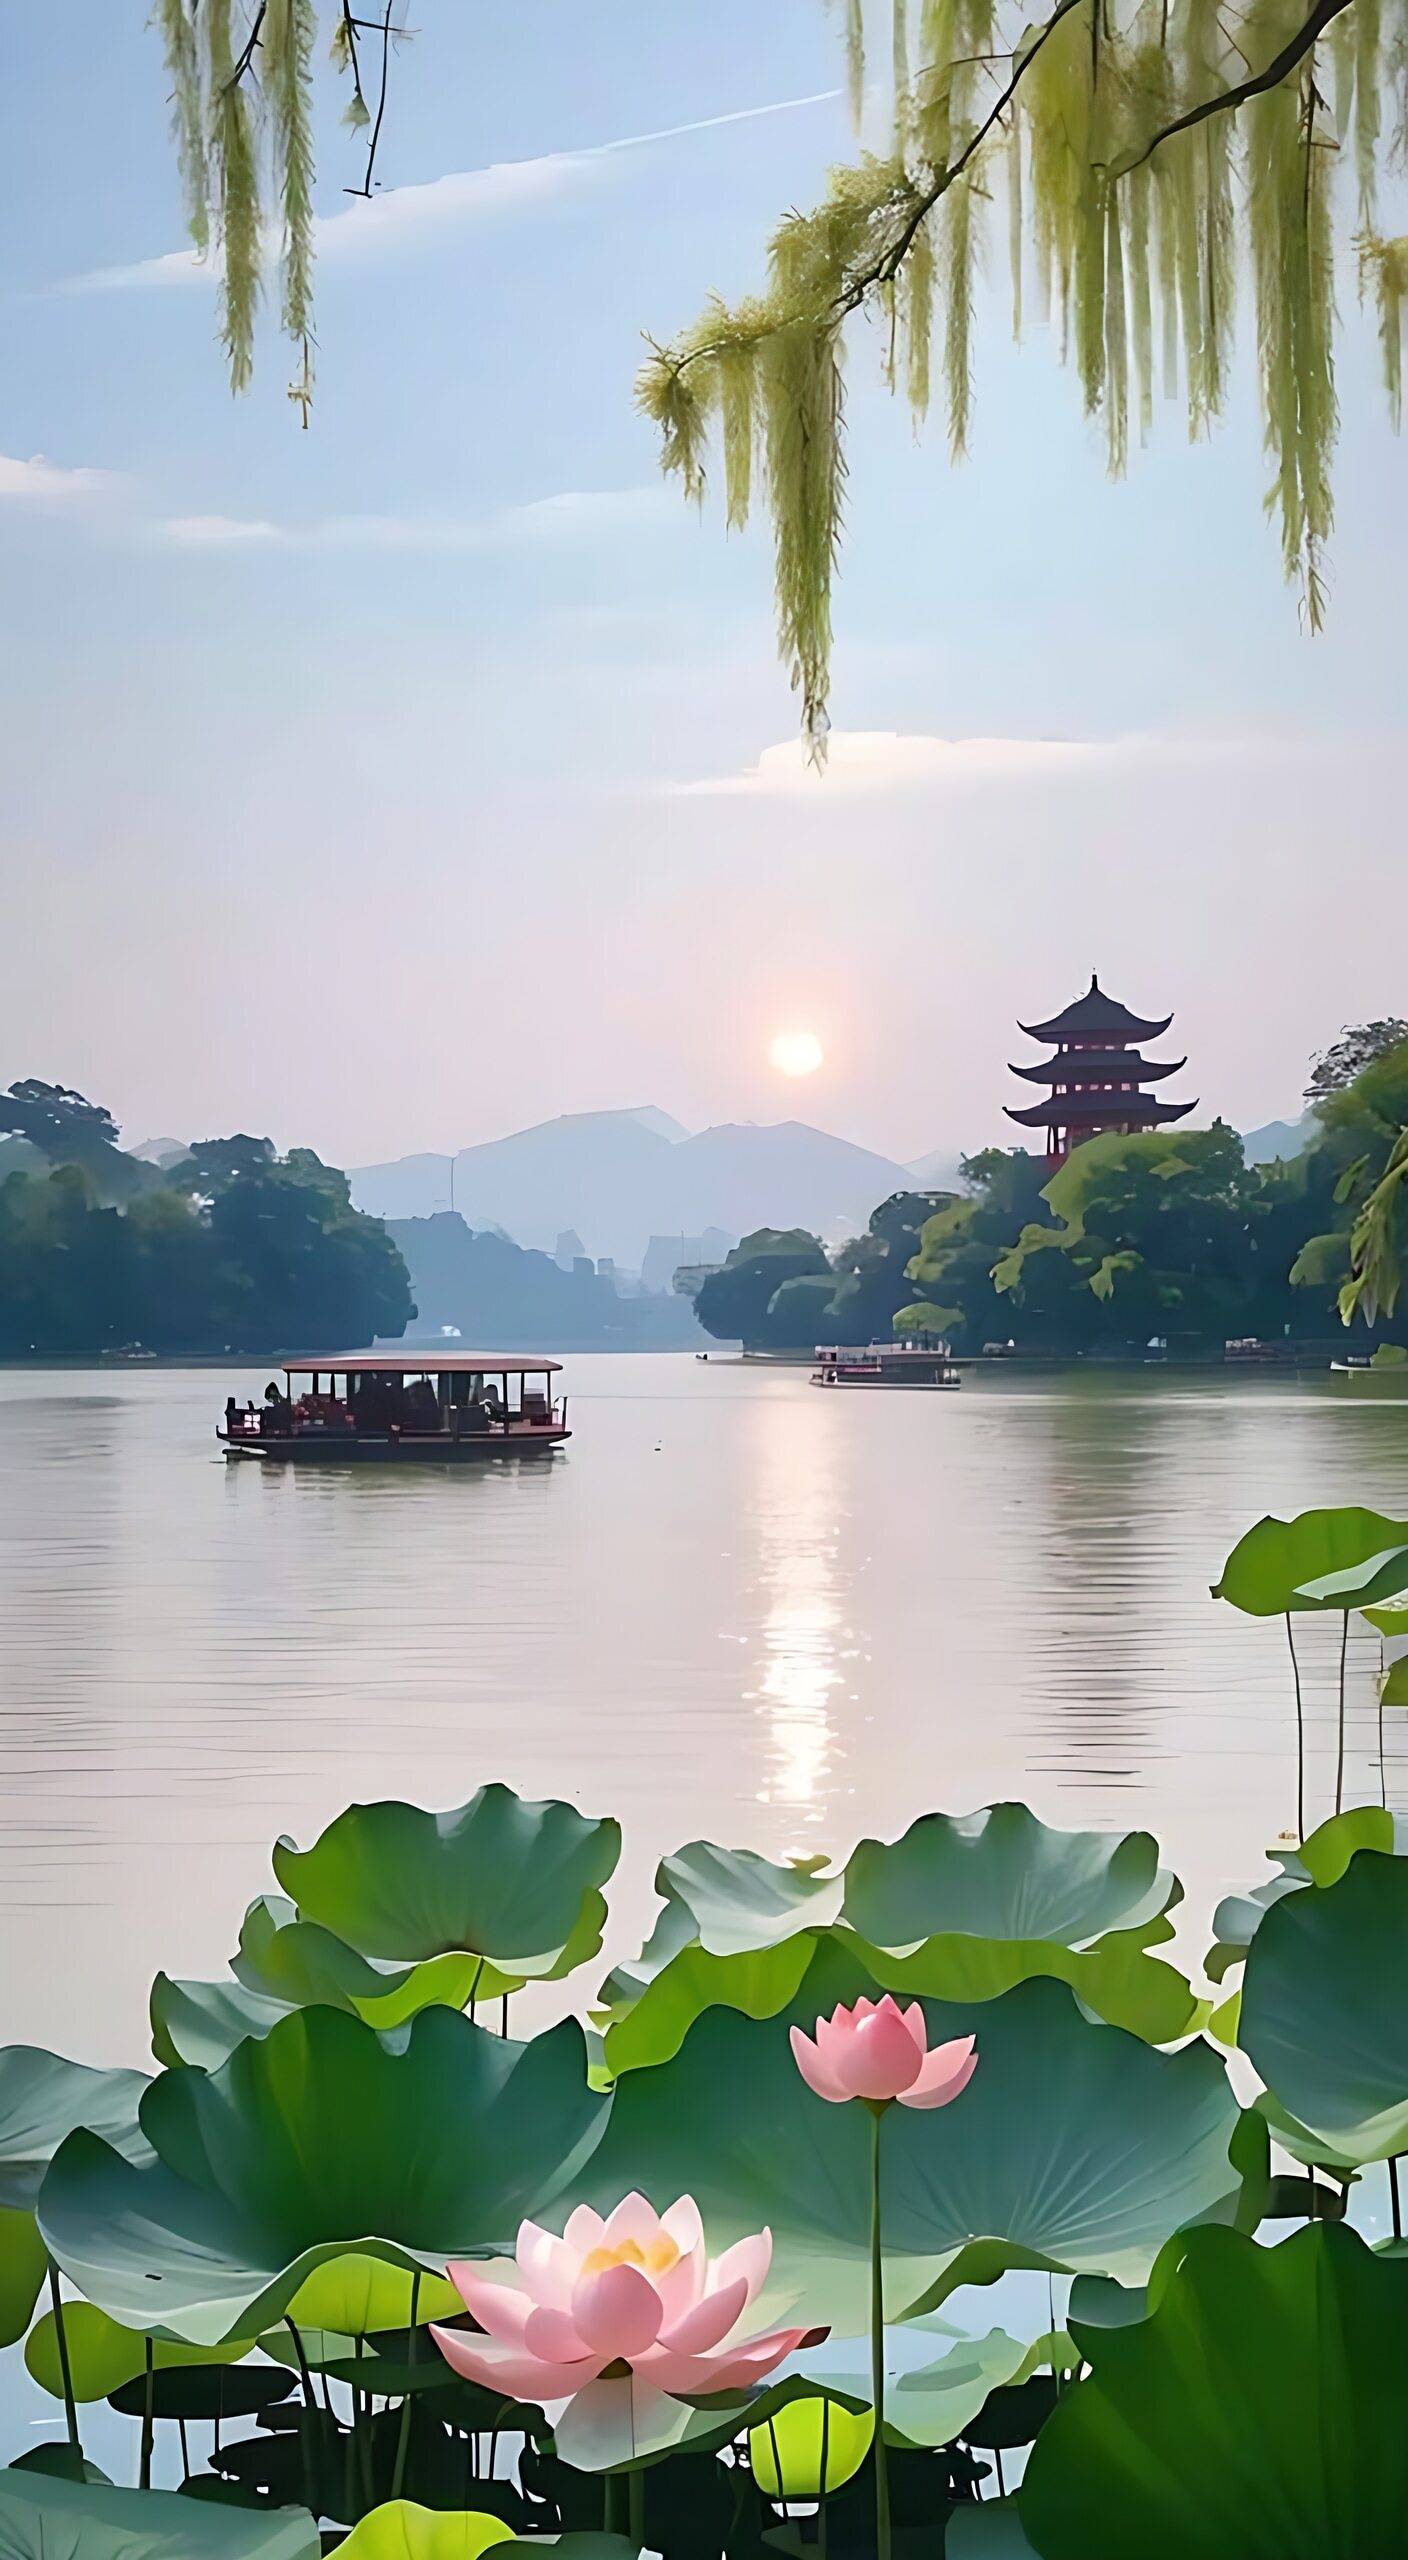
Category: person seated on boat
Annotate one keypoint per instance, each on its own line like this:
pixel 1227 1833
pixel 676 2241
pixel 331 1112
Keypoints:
pixel 272 1394
pixel 422 1407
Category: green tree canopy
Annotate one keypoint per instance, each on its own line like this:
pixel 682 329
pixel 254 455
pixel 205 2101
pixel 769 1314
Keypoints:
pixel 233 1249
pixel 735 1303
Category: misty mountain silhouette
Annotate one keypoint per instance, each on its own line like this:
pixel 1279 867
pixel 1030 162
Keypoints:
pixel 621 1177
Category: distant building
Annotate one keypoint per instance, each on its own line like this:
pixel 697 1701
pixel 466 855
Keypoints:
pixel 1097 1075
pixel 570 1250
pixel 665 1255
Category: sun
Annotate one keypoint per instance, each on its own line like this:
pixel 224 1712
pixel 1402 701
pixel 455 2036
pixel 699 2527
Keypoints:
pixel 796 1053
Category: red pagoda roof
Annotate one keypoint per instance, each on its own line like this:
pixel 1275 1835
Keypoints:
pixel 1096 1013
pixel 1071 1110
pixel 1086 1065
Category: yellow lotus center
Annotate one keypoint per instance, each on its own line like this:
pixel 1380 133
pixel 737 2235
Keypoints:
pixel 655 2259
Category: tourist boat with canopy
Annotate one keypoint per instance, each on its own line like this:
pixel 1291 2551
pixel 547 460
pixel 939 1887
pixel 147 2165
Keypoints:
pixel 397 1408
pixel 886 1364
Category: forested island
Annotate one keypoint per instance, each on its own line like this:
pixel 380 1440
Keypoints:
pixel 1168 1236
pixel 230 1247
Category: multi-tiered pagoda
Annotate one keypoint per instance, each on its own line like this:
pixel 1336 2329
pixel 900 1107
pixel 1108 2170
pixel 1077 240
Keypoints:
pixel 1097 1075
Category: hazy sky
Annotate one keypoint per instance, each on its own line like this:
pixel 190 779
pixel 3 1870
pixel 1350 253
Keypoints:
pixel 397 784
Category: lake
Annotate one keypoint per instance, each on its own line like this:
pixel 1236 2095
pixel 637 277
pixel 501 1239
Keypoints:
pixel 734 1607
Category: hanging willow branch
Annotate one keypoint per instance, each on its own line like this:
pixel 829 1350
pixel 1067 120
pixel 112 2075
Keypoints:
pixel 1145 145
pixel 241 74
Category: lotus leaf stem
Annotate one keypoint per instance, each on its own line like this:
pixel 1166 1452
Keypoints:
pixel 1339 1764
pixel 1395 2200
pixel 403 2439
pixel 144 2466
pixel 1300 1732
pixel 65 2368
pixel 821 2488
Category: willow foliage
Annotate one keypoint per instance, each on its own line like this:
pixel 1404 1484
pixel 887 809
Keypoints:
pixel 1157 153
pixel 241 74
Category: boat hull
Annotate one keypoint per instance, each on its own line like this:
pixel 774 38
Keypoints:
pixel 352 1449
pixel 902 1386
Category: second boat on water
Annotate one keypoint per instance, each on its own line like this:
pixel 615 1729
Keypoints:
pixel 885 1364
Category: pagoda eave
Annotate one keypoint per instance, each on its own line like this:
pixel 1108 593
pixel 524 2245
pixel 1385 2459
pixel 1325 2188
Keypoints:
pixel 1073 1111
pixel 1084 1065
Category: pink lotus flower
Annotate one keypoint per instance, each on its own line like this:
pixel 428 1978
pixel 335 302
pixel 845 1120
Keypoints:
pixel 634 2298
pixel 879 2051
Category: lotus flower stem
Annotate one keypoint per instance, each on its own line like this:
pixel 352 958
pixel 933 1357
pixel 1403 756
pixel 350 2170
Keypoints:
pixel 503 2016
pixel 65 2368
pixel 403 2440
pixel 821 2487
pixel 610 2503
pixel 1300 1733
pixel 1395 2200
pixel 635 2508
pixel 144 2459
pixel 877 2343
pixel 1339 1764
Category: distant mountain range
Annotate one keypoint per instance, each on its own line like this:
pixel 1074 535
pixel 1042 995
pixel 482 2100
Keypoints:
pixel 1283 1138
pixel 622 1177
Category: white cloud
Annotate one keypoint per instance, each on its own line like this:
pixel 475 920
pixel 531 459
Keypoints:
pixel 48 480
pixel 210 532
pixel 569 514
pixel 874 760
pixel 462 195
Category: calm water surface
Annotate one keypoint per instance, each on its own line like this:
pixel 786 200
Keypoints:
pixel 734 1607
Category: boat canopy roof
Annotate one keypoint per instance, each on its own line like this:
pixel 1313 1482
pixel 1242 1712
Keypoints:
pixel 429 1363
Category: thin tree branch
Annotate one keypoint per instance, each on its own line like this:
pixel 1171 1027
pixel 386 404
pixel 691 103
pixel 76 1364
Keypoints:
pixel 1227 101
pixel 883 269
pixel 247 57
pixel 384 31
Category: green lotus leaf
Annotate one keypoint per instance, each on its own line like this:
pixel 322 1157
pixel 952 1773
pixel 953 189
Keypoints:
pixel 810 2448
pixel 401 2531
pixel 1321 1859
pixel 1339 1559
pixel 354 2295
pixel 1324 2020
pixel 42 2099
pixel 932 2404
pixel 204 2391
pixel 286 1958
pixel 1076 2147
pixel 23 2265
pixel 60 2460
pixel 103 2356
pixel 202 2022
pixel 320 2139
pixel 979 1901
pixel 1002 1874
pixel 1116 1979
pixel 615 2425
pixel 1391 1621
pixel 63 2520
pixel 1394 1689
pixel 516 1883
pixel 1257 2411
pixel 730 1902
